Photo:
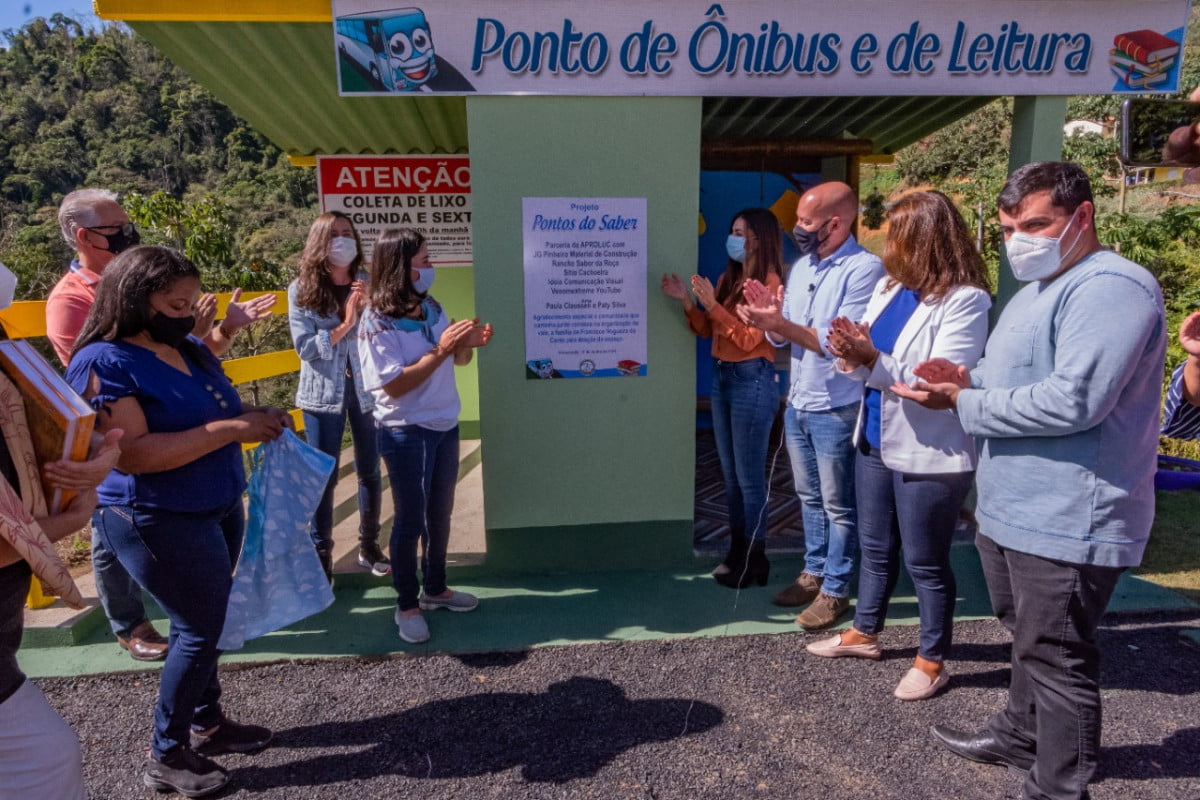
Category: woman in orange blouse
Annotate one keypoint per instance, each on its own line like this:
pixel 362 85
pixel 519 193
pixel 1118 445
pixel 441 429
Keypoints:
pixel 744 395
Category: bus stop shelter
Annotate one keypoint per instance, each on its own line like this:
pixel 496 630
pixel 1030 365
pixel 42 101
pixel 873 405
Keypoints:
pixel 557 103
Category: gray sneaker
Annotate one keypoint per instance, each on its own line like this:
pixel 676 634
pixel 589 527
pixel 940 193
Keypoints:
pixel 457 601
pixel 412 629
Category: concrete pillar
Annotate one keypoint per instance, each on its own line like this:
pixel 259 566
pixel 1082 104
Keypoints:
pixel 585 474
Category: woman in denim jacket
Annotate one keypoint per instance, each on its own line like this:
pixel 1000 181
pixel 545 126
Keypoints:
pixel 324 302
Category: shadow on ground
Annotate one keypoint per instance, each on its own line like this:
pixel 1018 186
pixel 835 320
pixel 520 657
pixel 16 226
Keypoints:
pixel 570 731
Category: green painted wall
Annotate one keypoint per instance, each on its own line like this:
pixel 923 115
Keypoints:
pixel 576 453
pixel 454 288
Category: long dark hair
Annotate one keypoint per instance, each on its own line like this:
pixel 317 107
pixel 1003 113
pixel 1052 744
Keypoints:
pixel 929 248
pixel 392 291
pixel 314 287
pixel 122 306
pixel 765 259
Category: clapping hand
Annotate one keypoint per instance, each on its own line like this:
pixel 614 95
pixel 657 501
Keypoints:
pixel 1189 334
pixel 673 288
pixel 941 381
pixel 479 335
pixel 851 342
pixel 762 309
pixel 238 314
pixel 206 314
pixel 703 289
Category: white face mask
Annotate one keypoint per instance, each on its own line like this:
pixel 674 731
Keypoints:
pixel 1035 258
pixel 342 251
pixel 424 280
pixel 8 286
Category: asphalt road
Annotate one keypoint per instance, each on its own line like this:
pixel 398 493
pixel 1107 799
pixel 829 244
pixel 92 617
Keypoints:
pixel 735 717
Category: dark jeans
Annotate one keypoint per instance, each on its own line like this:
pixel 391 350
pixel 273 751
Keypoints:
pixel 1052 609
pixel 744 401
pixel 120 595
pixel 324 432
pixel 914 514
pixel 422 467
pixel 185 561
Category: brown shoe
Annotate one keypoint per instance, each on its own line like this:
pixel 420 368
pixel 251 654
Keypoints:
pixel 144 643
pixel 823 612
pixel 802 591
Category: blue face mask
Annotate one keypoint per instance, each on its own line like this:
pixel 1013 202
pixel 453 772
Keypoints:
pixel 735 246
pixel 424 280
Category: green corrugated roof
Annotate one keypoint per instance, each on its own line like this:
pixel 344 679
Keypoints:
pixel 281 78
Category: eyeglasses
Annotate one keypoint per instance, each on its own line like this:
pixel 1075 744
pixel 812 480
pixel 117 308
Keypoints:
pixel 123 227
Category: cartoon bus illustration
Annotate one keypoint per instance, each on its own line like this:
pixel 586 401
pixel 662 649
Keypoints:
pixel 392 46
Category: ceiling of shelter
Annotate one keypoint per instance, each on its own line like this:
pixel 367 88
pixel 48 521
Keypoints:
pixel 280 77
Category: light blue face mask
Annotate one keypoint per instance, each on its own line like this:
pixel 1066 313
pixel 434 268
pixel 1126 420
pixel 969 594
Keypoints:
pixel 424 280
pixel 735 246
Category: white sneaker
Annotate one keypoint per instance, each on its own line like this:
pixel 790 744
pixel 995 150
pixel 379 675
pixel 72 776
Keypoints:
pixel 412 629
pixel 457 601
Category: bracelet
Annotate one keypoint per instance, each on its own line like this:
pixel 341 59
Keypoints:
pixel 225 332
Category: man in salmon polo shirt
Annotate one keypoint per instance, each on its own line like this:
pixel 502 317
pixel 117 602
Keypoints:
pixel 93 222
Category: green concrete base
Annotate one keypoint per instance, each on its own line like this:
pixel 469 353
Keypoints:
pixel 74 631
pixel 612 547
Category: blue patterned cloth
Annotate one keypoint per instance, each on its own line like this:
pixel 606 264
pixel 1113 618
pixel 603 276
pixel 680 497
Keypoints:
pixel 1181 419
pixel 279 579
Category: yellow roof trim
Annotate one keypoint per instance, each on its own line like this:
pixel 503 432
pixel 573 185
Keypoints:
pixel 877 158
pixel 215 10
pixel 302 161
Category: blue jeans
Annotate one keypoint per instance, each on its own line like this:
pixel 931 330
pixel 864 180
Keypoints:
pixel 744 400
pixel 1052 609
pixel 820 446
pixel 185 561
pixel 422 467
pixel 120 595
pixel 917 514
pixel 324 432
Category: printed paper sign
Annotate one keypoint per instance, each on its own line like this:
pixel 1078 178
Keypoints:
pixel 430 194
pixel 770 48
pixel 585 286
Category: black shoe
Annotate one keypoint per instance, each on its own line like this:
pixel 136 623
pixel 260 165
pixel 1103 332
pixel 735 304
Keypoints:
pixel 982 748
pixel 738 545
pixel 753 568
pixel 184 771
pixel 231 737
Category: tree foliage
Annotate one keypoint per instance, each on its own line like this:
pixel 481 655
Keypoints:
pixel 105 109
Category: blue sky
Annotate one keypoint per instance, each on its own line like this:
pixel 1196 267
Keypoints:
pixel 15 13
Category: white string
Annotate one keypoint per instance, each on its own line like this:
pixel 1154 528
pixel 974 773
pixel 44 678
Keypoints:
pixel 762 515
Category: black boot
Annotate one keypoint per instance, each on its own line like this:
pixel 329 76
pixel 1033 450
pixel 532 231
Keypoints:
pixel 325 553
pixel 754 568
pixel 738 545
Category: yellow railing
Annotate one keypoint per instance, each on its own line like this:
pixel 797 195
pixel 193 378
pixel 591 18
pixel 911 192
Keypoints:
pixel 27 320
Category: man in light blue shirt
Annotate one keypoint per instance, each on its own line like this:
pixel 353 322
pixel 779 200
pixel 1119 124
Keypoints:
pixel 834 277
pixel 1065 407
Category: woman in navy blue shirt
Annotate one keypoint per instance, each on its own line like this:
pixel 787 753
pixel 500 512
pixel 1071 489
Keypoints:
pixel 172 509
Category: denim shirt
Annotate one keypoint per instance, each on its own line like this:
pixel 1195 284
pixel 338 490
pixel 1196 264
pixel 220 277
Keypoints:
pixel 323 364
pixel 1066 414
pixel 817 292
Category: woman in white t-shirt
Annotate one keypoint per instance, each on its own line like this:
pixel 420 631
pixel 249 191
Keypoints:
pixel 406 347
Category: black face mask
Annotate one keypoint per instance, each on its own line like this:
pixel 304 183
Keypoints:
pixel 171 331
pixel 125 237
pixel 807 242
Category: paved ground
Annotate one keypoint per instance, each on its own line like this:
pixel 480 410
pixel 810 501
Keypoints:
pixel 726 717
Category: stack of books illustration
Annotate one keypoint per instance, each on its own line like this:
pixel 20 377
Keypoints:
pixel 1142 59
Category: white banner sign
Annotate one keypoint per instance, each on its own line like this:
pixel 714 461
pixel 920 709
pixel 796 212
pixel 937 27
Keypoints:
pixel 585 286
pixel 430 194
pixel 769 48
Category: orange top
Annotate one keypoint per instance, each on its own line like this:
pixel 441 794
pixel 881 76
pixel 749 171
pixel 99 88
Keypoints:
pixel 67 308
pixel 732 340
